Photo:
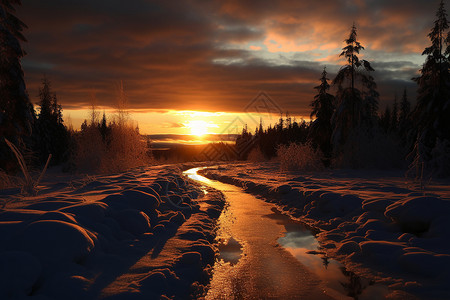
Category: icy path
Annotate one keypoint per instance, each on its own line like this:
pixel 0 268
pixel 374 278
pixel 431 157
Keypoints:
pixel 265 269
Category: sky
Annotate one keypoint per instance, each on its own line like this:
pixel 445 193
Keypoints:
pixel 210 61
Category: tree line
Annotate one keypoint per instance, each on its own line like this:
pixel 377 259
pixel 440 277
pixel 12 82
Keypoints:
pixel 348 129
pixel 100 146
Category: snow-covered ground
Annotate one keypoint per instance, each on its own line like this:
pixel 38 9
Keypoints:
pixel 143 234
pixel 379 224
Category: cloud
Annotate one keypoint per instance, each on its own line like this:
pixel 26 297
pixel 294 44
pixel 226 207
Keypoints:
pixel 214 55
pixel 174 125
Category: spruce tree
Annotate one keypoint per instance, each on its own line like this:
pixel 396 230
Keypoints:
pixel 353 106
pixel 431 113
pixel 385 119
pixel 394 115
pixel 51 136
pixel 16 110
pixel 323 109
pixel 405 107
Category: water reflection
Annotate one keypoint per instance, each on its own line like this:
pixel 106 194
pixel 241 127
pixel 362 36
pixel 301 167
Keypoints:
pixel 239 224
pixel 299 241
pixel 230 251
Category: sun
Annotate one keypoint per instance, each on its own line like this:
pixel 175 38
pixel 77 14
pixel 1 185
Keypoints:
pixel 198 128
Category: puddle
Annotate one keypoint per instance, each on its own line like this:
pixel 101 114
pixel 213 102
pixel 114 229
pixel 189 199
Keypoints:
pixel 230 251
pixel 301 243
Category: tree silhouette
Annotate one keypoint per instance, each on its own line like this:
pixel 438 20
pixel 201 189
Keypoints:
pixel 405 108
pixel 322 109
pixel 385 119
pixel 394 116
pixel 433 102
pixel 353 107
pixel 16 111
pixel 50 134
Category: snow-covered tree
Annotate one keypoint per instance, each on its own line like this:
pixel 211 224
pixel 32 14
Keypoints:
pixel 322 109
pixel 432 111
pixel 355 108
pixel 16 110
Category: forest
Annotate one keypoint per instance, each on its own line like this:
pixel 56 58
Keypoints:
pixel 347 128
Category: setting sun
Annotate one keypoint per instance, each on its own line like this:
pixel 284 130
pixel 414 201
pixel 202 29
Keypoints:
pixel 198 128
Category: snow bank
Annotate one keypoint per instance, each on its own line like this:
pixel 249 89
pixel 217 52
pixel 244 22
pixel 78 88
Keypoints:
pixel 87 242
pixel 375 223
pixel 19 272
pixel 56 241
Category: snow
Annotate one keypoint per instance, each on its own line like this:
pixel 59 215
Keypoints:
pixel 377 223
pixel 19 272
pixel 144 234
pixel 150 232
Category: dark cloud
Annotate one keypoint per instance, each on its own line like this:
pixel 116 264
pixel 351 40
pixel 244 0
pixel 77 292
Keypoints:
pixel 196 55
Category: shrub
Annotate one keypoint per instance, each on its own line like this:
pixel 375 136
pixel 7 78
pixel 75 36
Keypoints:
pixel 300 157
pixel 122 149
pixel 256 155
pixel 90 150
pixel 126 150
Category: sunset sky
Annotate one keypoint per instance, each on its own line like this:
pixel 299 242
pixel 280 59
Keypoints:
pixel 185 61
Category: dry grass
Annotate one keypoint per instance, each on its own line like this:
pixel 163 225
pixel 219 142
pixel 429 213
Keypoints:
pixel 300 157
pixel 124 149
pixel 256 155
pixel 28 184
pixel 8 181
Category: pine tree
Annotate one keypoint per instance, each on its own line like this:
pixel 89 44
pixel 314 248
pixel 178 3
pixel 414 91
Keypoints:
pixel 431 113
pixel 46 99
pixel 405 108
pixel 404 124
pixel 353 107
pixel 50 134
pixel 385 119
pixel 322 109
pixel 104 128
pixel 394 116
pixel 16 110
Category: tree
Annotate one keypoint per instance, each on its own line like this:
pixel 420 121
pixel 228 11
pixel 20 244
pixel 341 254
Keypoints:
pixel 394 116
pixel 385 119
pixel 404 123
pixel 50 134
pixel 405 108
pixel 353 107
pixel 433 102
pixel 104 130
pixel 16 110
pixel 322 109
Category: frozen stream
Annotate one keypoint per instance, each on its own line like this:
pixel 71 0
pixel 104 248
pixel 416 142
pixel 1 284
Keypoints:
pixel 263 254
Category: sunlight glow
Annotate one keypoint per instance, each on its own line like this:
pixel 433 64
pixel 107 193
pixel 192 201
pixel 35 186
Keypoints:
pixel 198 127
